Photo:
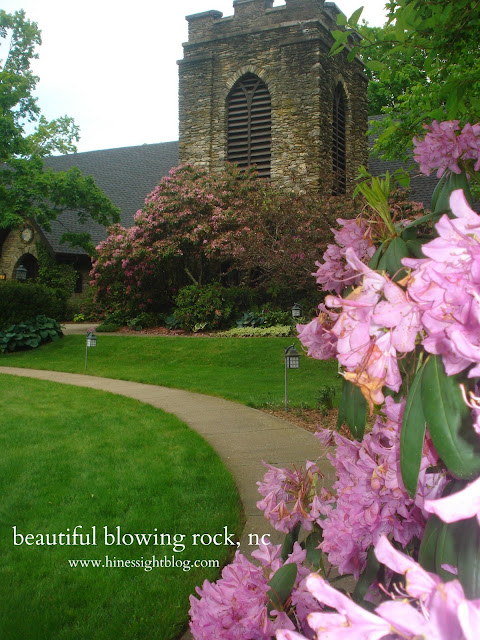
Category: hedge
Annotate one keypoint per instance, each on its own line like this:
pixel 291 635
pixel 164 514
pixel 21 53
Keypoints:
pixel 20 301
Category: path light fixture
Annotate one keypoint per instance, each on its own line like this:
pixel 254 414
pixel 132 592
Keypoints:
pixel 21 273
pixel 296 311
pixel 292 361
pixel 91 342
pixel 3 276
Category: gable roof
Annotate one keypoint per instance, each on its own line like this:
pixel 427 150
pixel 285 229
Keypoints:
pixel 127 175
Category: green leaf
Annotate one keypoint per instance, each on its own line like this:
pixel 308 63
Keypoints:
pixel 281 585
pixel 353 410
pixel 467 536
pixel 446 551
pixel 409 233
pixel 374 260
pixel 449 420
pixel 415 248
pixel 289 541
pixel 391 259
pixel 314 555
pixel 341 19
pixel 412 436
pixel 340 36
pixel 367 577
pixel 352 54
pixel 376 65
pixel 443 190
pixel 354 18
pixel 428 546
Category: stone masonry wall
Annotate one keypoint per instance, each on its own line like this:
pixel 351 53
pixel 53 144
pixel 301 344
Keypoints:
pixel 287 47
pixel 14 248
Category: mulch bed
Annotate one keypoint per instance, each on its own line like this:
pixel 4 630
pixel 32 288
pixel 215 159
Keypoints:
pixel 163 331
pixel 308 419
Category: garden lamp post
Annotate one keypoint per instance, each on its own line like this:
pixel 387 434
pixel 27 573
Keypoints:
pixel 292 361
pixel 296 311
pixel 21 273
pixel 91 342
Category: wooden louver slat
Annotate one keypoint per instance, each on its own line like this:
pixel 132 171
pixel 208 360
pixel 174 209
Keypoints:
pixel 249 125
pixel 339 157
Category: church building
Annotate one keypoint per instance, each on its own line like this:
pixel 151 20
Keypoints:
pixel 255 88
pixel 260 87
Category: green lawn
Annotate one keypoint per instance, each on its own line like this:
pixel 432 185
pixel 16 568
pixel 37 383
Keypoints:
pixel 72 457
pixel 247 370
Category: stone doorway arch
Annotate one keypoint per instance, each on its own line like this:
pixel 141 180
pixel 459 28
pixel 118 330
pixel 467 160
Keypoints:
pixel 30 263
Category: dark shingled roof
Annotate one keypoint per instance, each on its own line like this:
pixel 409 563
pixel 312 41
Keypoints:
pixel 421 186
pixel 127 175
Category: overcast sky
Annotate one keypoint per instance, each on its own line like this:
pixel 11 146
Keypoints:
pixel 112 64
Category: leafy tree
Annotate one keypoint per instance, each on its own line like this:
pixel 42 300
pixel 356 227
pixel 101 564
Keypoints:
pixel 405 69
pixel 27 188
pixel 422 62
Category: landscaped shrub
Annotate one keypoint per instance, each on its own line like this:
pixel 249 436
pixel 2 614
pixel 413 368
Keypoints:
pixel 21 301
pixel 54 275
pixel 143 321
pixel 274 318
pixel 29 334
pixel 209 307
pixel 198 227
pixel 117 317
pixel 251 319
pixel 108 327
pixel 278 331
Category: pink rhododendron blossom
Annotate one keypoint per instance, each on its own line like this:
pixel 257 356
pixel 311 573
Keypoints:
pixel 301 599
pixel 235 607
pixel 366 348
pixel 324 436
pixel 351 621
pixel 283 634
pixel 398 313
pixel 288 496
pixel 446 288
pixel 371 499
pixel 457 506
pixel 473 402
pixel 317 336
pixel 443 612
pixel 429 608
pixel 443 148
pixel 334 273
pixel 379 368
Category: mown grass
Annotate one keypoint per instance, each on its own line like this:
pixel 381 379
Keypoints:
pixel 74 456
pixel 247 370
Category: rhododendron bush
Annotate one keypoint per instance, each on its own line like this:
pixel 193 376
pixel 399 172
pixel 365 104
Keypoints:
pixel 402 318
pixel 197 227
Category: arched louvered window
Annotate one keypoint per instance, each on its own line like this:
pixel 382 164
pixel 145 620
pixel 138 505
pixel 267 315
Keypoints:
pixel 339 160
pixel 249 121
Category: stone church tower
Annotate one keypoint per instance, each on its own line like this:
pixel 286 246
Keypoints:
pixel 259 87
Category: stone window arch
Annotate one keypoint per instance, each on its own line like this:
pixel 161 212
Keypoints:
pixel 339 141
pixel 249 124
